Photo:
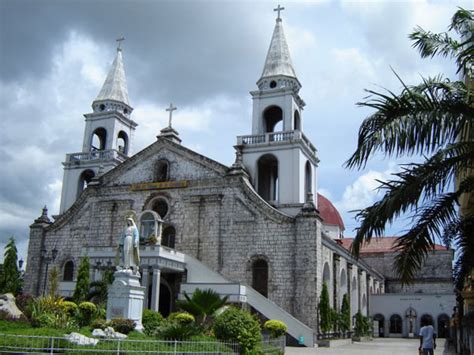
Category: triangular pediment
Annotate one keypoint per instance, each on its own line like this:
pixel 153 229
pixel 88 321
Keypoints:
pixel 183 164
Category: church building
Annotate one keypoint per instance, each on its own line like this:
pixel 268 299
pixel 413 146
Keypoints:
pixel 257 231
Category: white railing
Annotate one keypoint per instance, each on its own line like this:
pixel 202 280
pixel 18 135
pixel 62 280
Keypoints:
pixel 96 155
pixel 283 136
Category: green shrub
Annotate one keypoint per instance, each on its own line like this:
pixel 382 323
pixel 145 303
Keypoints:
pixel 151 321
pixel 344 323
pixel 239 326
pixel 45 320
pixel 70 308
pixel 325 310
pixel 276 328
pixel 99 323
pixel 362 325
pixel 121 325
pixel 178 331
pixel 87 312
pixel 181 317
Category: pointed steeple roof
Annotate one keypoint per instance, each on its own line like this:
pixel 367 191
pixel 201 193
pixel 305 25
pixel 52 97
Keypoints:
pixel 115 86
pixel 278 61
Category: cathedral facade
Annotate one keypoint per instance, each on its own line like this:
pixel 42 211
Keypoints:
pixel 257 231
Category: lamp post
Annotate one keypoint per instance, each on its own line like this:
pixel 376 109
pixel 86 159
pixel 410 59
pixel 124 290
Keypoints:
pixel 47 259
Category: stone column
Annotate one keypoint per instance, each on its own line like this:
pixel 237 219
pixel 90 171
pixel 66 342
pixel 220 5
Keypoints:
pixel 336 283
pixel 145 283
pixel 155 291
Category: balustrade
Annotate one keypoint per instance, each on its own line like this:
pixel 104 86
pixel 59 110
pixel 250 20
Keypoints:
pixel 96 155
pixel 282 136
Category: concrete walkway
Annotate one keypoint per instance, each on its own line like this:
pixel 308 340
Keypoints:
pixel 378 346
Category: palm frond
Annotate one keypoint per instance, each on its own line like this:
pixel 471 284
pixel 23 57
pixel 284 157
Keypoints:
pixel 415 183
pixel 430 222
pixel 420 120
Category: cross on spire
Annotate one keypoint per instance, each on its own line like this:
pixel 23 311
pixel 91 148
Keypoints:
pixel 170 110
pixel 279 9
pixel 120 40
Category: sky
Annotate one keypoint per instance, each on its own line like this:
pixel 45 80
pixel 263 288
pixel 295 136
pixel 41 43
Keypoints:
pixel 204 57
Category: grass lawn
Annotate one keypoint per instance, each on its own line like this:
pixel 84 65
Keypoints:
pixel 136 341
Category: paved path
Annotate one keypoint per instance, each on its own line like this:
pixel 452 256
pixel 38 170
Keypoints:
pixel 378 346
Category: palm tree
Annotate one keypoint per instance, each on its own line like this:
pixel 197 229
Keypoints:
pixel 434 119
pixel 203 304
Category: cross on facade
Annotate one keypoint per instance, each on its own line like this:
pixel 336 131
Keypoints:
pixel 279 9
pixel 170 110
pixel 119 40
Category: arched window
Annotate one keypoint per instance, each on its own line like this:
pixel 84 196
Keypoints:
pixel 99 139
pixel 260 276
pixel 162 170
pixel 268 177
pixel 271 117
pixel 168 237
pixel 326 274
pixel 395 324
pixel 68 272
pixel 296 121
pixel 84 179
pixel 308 178
pixel 160 206
pixel 122 142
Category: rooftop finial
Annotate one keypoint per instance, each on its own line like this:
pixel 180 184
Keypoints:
pixel 119 40
pixel 170 110
pixel 279 9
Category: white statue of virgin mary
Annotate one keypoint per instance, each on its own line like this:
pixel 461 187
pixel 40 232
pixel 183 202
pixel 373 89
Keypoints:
pixel 129 247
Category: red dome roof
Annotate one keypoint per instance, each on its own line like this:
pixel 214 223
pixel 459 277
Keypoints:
pixel 329 212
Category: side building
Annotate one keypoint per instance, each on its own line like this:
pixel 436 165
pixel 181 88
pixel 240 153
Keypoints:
pixel 429 296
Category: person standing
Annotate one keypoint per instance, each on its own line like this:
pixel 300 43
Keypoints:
pixel 427 338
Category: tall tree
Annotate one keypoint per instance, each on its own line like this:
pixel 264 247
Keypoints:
pixel 433 119
pixel 345 318
pixel 82 285
pixel 325 321
pixel 11 276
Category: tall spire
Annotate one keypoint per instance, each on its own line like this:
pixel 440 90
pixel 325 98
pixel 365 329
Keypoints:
pixel 115 86
pixel 278 61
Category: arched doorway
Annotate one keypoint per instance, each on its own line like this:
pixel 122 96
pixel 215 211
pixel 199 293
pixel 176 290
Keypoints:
pixel 380 319
pixel 443 326
pixel 395 324
pixel 260 276
pixel 165 300
pixel 268 177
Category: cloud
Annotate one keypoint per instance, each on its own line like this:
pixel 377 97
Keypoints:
pixel 364 190
pixel 43 117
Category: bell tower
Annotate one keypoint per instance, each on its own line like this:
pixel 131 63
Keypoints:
pixel 280 159
pixel 108 135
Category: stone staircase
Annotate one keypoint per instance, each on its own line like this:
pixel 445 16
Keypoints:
pixel 202 277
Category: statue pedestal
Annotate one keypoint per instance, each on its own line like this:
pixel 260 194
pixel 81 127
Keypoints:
pixel 125 297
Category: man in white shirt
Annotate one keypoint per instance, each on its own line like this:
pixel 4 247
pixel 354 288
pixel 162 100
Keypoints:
pixel 427 338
